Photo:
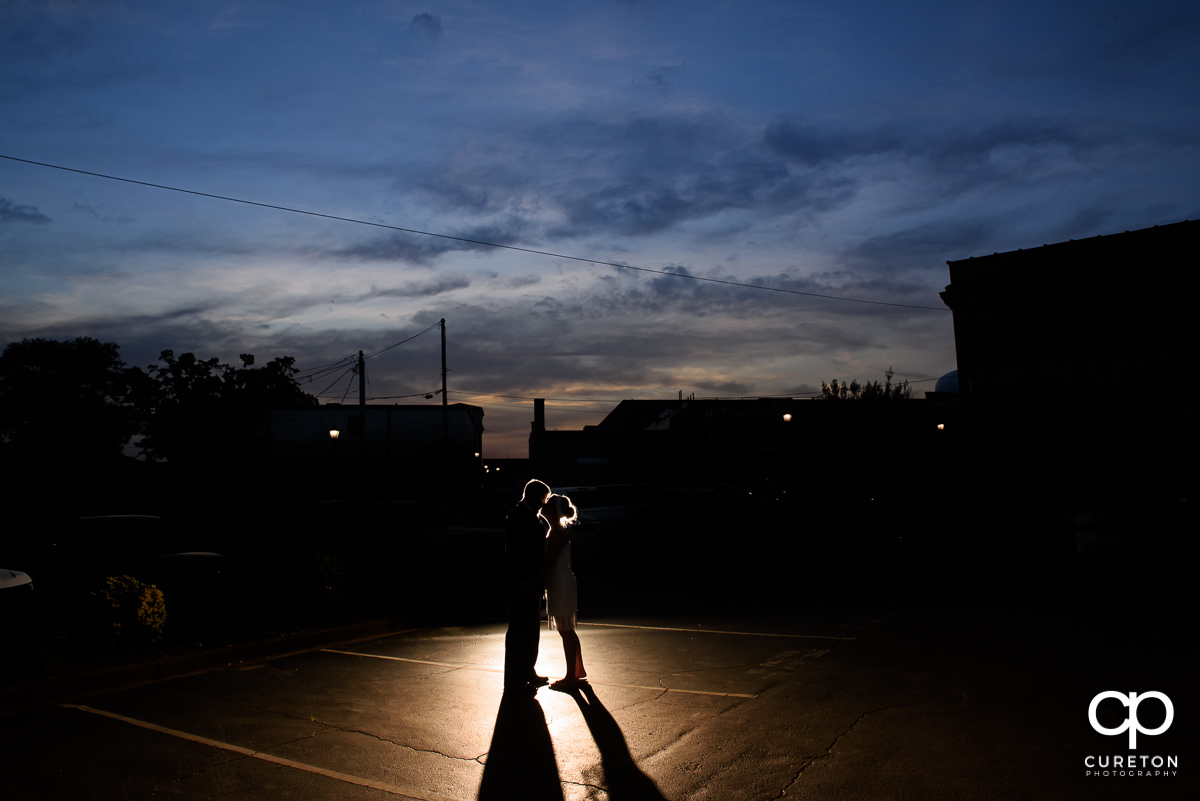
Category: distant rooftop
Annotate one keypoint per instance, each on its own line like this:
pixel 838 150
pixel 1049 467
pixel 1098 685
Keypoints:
pixel 1189 229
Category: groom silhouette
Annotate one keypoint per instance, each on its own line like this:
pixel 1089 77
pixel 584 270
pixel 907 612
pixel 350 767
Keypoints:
pixel 524 574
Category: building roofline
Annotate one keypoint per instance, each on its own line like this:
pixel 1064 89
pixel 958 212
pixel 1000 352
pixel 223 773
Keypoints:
pixel 1089 241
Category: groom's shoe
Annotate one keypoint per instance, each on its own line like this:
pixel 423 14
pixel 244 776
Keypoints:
pixel 529 687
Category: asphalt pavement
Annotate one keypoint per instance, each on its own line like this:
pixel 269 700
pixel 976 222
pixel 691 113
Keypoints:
pixel 942 694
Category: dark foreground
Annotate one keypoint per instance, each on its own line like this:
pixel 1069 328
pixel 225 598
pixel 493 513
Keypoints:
pixel 896 701
pixel 755 654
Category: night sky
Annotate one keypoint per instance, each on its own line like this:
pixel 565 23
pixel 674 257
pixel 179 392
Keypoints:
pixel 833 154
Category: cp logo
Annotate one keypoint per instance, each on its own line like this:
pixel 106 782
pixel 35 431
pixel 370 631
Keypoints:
pixel 1131 723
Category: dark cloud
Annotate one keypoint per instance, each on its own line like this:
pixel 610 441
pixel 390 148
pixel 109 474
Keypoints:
pixel 812 144
pixel 402 248
pixel 431 289
pixel 721 295
pixel 594 176
pixel 423 249
pixel 66 46
pixel 521 281
pixel 427 25
pixel 648 174
pixel 660 80
pixel 829 144
pixel 660 172
pixel 634 176
pixel 19 213
pixel 142 337
pixel 926 247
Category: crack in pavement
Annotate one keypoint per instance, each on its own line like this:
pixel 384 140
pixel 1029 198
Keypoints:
pixel 829 748
pixel 389 741
pixel 335 727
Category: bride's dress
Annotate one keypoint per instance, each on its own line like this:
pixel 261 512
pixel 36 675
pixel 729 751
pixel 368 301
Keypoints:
pixel 562 592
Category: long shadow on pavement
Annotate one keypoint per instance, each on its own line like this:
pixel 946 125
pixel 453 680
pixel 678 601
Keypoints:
pixel 624 780
pixel 520 761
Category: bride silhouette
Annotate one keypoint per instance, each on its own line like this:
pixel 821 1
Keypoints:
pixel 562 590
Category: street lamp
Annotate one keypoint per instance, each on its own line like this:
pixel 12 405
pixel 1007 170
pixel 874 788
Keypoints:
pixel 333 438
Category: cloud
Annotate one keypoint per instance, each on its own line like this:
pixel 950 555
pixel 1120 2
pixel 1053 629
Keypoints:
pixel 403 248
pixel 19 213
pixel 822 145
pixel 925 247
pixel 425 248
pixel 427 25
pixel 999 151
pixel 592 174
pixel 413 290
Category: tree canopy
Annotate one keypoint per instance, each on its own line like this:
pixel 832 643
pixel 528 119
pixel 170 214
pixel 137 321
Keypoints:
pixel 871 391
pixel 75 400
pixel 67 400
pixel 200 409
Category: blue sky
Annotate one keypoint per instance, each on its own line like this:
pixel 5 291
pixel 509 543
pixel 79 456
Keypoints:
pixel 821 149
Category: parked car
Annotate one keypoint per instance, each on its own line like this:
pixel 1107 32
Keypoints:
pixel 15 580
pixel 16 596
pixel 18 625
pixel 72 557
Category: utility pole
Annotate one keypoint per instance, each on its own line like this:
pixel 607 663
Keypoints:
pixel 445 409
pixel 362 410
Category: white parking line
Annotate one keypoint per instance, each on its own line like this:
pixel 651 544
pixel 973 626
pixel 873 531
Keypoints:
pixel 500 670
pixel 391 789
pixel 674 690
pixel 459 666
pixel 718 631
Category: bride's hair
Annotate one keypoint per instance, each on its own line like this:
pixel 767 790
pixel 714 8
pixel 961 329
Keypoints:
pixel 562 510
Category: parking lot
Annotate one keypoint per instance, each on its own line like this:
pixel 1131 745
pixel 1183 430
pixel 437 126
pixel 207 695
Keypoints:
pixel 765 663
pixel 678 708
pixel 418 715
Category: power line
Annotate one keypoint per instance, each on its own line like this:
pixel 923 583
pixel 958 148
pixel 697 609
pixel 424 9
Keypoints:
pixel 350 371
pixel 401 342
pixel 474 241
pixel 426 395
pixel 314 373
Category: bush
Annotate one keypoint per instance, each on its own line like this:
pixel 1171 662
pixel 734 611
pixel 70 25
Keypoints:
pixel 130 611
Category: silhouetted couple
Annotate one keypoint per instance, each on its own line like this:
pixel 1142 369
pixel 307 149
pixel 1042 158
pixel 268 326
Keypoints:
pixel 537 555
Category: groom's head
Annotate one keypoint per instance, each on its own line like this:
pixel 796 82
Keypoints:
pixel 536 493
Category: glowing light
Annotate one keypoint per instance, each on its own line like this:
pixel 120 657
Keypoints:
pixel 333 434
pixel 941 426
pixel 787 418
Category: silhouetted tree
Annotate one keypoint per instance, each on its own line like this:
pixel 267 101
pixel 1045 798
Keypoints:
pixel 66 402
pixel 200 411
pixel 871 391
